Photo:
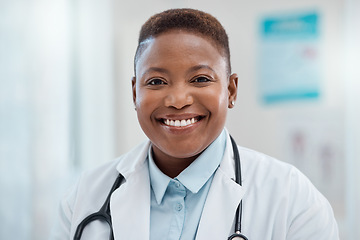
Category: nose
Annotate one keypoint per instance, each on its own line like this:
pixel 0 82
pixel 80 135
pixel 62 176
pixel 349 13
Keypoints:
pixel 179 97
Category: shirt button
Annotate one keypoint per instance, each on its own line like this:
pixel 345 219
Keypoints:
pixel 177 184
pixel 178 207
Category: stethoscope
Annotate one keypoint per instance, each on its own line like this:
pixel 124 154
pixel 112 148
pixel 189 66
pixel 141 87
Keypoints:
pixel 104 213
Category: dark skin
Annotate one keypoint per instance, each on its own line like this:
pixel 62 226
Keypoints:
pixel 182 91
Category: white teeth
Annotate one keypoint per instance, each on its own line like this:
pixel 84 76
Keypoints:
pixel 180 123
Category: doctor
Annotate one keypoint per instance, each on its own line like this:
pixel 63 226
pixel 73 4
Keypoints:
pixel 180 184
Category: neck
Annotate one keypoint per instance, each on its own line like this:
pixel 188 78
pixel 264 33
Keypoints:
pixel 171 166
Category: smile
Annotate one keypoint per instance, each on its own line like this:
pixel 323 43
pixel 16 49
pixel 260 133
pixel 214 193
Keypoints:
pixel 180 123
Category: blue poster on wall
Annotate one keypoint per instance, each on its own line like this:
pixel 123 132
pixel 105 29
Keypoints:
pixel 289 57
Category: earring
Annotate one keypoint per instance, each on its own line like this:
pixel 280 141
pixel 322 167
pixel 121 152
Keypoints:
pixel 233 102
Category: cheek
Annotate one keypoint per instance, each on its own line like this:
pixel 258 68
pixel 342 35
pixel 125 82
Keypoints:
pixel 217 103
pixel 146 102
pixel 217 99
pixel 144 99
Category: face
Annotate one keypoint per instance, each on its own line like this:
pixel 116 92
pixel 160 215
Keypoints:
pixel 181 92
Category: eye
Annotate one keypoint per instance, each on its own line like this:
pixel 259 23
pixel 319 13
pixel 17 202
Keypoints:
pixel 201 79
pixel 156 81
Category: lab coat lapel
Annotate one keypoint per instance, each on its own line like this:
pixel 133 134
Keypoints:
pixel 223 199
pixel 130 203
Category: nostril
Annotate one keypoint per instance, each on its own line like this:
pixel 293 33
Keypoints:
pixel 178 100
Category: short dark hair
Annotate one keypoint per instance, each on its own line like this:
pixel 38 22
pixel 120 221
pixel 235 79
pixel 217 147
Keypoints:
pixel 191 20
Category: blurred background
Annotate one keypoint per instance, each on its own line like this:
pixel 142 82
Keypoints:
pixel 66 104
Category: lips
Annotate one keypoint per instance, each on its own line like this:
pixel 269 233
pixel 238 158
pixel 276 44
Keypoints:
pixel 180 121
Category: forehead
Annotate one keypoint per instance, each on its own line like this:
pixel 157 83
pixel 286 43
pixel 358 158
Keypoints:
pixel 180 47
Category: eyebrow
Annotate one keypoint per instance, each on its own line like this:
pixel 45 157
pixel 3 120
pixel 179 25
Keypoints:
pixel 155 69
pixel 198 67
pixel 192 69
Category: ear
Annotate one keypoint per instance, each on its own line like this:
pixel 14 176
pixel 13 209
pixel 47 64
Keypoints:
pixel 232 89
pixel 133 85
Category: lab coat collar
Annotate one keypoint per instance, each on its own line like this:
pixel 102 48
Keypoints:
pixel 133 160
pixel 130 203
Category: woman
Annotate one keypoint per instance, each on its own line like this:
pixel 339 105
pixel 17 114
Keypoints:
pixel 180 184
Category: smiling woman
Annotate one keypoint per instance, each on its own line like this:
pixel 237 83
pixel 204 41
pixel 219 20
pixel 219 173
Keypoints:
pixel 180 183
pixel 176 85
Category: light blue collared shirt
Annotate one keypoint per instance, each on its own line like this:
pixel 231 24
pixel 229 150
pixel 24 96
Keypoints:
pixel 177 204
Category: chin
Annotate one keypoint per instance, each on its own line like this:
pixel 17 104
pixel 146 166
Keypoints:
pixel 185 151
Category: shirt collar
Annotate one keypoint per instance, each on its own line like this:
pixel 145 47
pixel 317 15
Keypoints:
pixel 158 180
pixel 195 175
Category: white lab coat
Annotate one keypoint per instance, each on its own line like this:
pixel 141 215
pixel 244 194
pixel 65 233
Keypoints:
pixel 278 201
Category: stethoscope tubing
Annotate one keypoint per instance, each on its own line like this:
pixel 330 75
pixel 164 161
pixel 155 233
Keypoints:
pixel 103 214
pixel 238 179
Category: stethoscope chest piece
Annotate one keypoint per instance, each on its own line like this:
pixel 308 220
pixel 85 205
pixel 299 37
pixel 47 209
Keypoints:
pixel 237 236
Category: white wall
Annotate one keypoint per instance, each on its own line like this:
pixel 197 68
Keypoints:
pixel 15 173
pixel 93 86
pixel 34 107
pixel 351 77
pixel 56 106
